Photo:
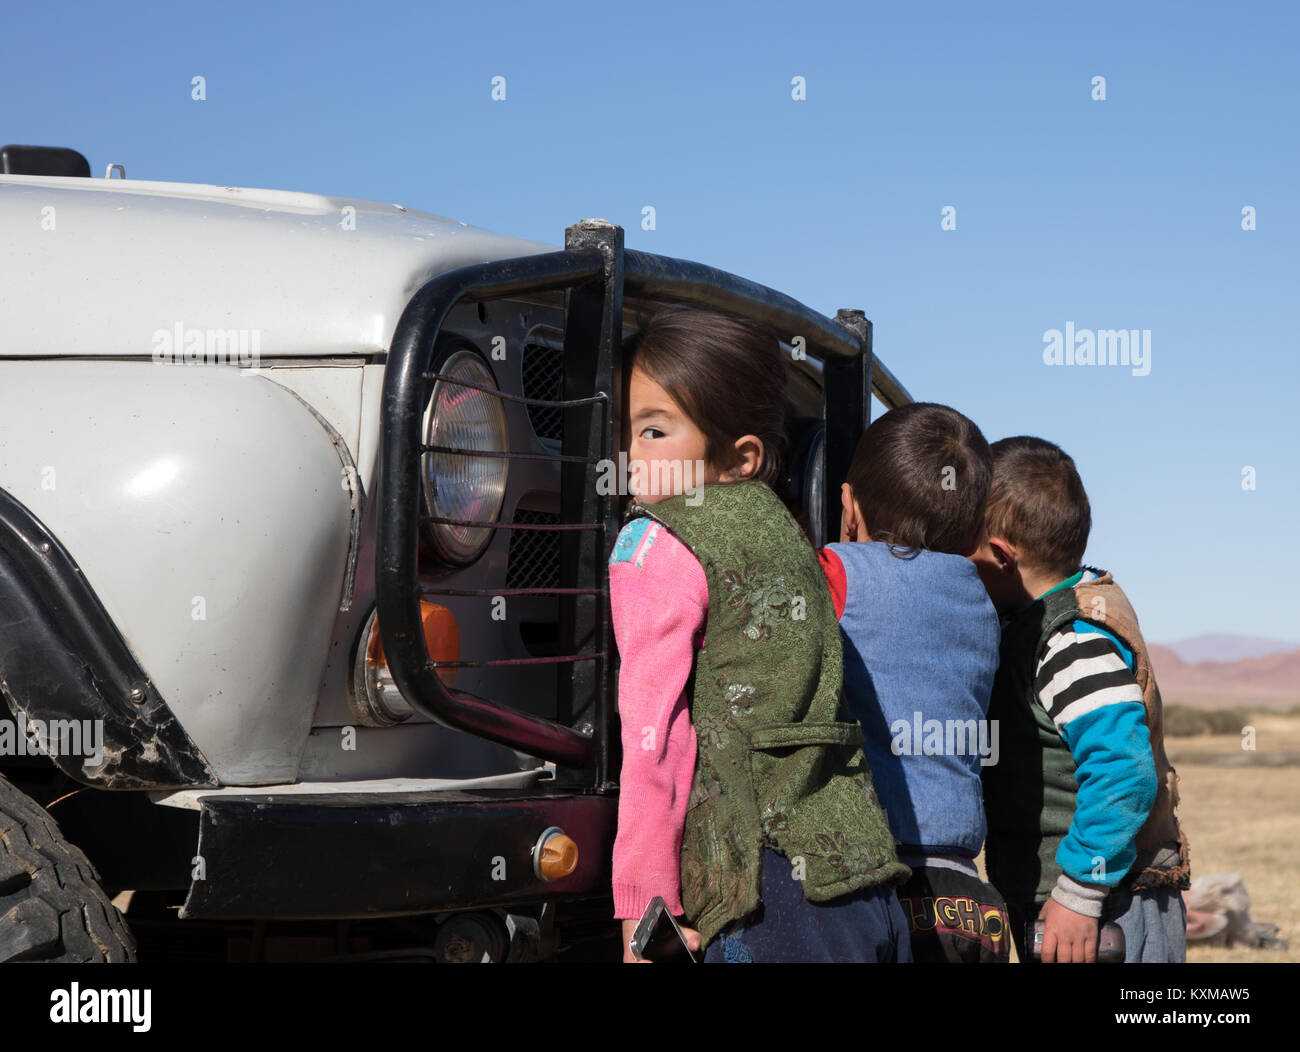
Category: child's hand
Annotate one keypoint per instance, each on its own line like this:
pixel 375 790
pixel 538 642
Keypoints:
pixel 629 929
pixel 1068 937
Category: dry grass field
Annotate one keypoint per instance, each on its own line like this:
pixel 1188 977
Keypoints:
pixel 1241 812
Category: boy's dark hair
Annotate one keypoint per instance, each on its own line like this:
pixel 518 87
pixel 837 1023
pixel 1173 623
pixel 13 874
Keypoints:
pixel 1038 503
pixel 921 477
pixel 727 373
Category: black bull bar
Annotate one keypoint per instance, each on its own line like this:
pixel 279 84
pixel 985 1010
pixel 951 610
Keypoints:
pixel 597 272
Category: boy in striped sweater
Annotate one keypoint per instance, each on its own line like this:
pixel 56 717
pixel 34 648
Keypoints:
pixel 1080 806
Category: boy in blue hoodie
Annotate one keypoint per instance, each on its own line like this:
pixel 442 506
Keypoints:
pixel 920 651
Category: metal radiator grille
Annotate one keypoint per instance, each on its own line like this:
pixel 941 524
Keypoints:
pixel 542 371
pixel 534 559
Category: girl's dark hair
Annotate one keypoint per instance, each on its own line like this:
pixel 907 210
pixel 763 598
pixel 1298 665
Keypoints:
pixel 921 476
pixel 1038 503
pixel 728 375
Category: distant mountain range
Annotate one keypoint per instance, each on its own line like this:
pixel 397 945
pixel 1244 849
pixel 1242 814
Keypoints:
pixel 1228 648
pixel 1223 670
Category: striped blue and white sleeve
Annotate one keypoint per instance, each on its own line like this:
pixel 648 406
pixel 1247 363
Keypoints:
pixel 1086 685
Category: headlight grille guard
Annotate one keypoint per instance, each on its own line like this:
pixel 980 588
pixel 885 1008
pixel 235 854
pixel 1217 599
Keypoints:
pixel 596 271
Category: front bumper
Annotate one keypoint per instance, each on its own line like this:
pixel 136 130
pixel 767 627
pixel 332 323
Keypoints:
pixel 359 855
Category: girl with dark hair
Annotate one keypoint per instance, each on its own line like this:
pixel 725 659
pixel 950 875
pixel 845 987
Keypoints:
pixel 745 800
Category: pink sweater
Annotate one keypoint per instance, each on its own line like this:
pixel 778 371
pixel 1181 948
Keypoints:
pixel 659 600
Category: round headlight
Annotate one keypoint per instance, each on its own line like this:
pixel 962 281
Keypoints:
pixel 459 485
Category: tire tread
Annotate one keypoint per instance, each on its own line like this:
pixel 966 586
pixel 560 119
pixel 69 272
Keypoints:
pixel 52 905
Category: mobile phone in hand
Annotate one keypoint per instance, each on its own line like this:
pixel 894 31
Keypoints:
pixel 659 938
pixel 1110 942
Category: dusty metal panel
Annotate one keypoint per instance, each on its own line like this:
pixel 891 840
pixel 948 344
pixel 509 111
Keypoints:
pixel 354 855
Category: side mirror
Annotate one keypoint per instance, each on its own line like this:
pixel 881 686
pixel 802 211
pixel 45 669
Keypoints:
pixel 802 484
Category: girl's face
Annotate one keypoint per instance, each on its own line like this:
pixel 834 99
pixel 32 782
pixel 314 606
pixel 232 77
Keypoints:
pixel 665 449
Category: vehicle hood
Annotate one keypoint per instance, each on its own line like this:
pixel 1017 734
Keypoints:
pixel 100 267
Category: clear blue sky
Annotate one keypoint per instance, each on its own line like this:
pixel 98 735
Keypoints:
pixel 1123 213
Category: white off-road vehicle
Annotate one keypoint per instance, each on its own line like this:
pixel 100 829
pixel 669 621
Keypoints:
pixel 304 640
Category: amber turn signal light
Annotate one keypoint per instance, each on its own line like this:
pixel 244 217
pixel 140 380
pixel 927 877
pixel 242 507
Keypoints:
pixel 374 698
pixel 555 856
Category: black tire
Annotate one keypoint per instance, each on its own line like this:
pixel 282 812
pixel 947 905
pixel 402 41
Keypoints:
pixel 52 907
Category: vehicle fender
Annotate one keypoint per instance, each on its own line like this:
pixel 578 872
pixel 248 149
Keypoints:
pixel 210 510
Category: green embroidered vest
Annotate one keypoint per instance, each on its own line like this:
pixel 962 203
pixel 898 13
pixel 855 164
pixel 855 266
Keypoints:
pixel 778 761
pixel 1029 794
